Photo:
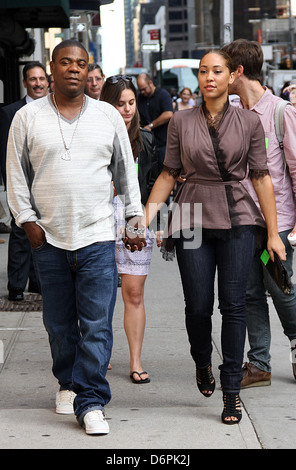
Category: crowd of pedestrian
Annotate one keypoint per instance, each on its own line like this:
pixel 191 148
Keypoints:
pixel 82 205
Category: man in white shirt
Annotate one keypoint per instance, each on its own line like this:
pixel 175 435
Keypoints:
pixel 64 151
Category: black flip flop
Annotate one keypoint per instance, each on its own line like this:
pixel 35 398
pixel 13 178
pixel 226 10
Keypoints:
pixel 142 381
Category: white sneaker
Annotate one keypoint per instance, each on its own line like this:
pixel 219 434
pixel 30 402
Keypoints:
pixel 95 423
pixel 64 402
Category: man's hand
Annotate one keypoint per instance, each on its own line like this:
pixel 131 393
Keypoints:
pixel 134 239
pixel 35 234
pixel 293 232
pixel 275 244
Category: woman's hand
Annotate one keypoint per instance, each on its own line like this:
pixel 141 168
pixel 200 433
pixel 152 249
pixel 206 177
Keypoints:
pixel 159 237
pixel 181 179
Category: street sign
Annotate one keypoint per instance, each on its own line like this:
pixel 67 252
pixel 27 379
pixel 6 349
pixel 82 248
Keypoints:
pixel 150 47
pixel 154 34
pixel 81 27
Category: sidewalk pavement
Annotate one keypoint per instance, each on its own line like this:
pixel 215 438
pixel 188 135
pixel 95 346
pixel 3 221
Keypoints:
pixel 167 414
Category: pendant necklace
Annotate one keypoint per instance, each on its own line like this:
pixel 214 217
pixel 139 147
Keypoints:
pixel 67 154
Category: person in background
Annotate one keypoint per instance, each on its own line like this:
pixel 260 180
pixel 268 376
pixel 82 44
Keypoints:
pixel 234 100
pixel 50 83
pixel 247 57
pixel 185 101
pixel 197 98
pixel 119 91
pixel 3 227
pixel 20 264
pixel 156 109
pixel 95 81
pixel 174 95
pixel 288 92
pixel 213 145
pixel 60 191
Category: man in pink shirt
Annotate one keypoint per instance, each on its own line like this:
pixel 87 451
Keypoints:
pixel 247 59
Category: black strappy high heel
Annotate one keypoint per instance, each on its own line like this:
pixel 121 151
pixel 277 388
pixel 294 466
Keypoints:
pixel 205 381
pixel 232 408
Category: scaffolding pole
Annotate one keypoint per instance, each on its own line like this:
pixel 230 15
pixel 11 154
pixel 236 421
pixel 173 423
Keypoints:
pixel 226 22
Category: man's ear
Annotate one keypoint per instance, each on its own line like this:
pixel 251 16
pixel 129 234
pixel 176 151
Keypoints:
pixel 231 78
pixel 239 71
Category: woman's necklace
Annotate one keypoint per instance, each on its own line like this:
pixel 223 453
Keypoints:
pixel 214 121
pixel 67 154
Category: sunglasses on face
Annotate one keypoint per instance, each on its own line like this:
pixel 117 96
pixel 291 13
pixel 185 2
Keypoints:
pixel 115 78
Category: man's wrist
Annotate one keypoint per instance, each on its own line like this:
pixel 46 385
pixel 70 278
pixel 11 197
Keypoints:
pixel 151 125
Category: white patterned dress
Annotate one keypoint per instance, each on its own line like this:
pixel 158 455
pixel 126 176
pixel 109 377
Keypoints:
pixel 138 262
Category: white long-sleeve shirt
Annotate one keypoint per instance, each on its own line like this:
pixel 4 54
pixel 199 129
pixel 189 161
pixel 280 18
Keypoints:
pixel 70 199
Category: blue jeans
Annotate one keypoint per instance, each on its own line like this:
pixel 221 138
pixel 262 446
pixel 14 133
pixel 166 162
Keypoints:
pixel 79 293
pixel 258 325
pixel 197 266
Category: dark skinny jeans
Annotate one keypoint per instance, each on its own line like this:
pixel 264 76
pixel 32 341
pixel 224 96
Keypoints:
pixel 197 266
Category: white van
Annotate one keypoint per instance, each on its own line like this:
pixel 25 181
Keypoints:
pixel 177 74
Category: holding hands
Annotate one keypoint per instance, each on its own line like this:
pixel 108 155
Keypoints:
pixel 135 231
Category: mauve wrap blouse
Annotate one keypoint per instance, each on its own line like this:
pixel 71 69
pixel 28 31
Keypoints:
pixel 214 175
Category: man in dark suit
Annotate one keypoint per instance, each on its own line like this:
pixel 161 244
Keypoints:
pixel 20 266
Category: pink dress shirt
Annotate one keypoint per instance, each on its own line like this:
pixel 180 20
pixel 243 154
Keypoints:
pixel 284 187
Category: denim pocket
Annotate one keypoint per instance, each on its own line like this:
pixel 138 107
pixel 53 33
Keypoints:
pixel 38 248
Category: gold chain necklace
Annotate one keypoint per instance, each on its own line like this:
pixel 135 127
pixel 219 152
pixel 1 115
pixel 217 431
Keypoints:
pixel 67 154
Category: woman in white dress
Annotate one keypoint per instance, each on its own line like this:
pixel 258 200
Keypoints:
pixel 185 101
pixel 133 267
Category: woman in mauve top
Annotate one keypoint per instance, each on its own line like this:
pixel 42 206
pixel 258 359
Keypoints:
pixel 214 220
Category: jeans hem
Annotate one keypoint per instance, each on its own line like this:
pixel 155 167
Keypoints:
pixel 231 390
pixel 66 387
pixel 260 366
pixel 81 415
